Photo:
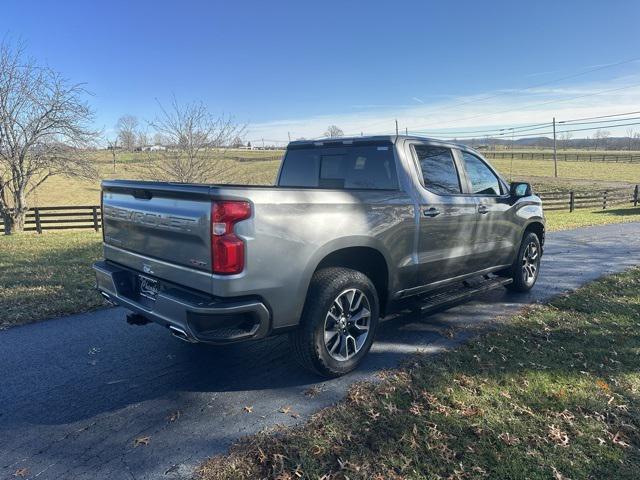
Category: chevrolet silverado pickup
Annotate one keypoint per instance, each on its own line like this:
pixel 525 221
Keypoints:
pixel 352 228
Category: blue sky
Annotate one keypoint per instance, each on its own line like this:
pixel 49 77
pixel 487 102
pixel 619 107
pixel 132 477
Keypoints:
pixel 299 66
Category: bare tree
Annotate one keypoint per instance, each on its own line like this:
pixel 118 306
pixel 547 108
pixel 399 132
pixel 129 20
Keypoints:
pixel 601 138
pixel 565 139
pixel 333 131
pixel 142 140
pixel 630 135
pixel 158 139
pixel 112 145
pixel 44 129
pixel 195 137
pixel 237 142
pixel 127 128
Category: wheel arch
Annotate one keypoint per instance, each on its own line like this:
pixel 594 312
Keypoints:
pixel 538 228
pixel 363 255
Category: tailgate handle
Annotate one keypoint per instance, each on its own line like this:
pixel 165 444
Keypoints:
pixel 142 194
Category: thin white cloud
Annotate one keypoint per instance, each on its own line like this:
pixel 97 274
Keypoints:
pixel 490 109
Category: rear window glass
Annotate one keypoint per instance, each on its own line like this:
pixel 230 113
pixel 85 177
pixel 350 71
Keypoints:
pixel 349 167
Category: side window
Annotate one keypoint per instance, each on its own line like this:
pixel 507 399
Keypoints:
pixel 438 169
pixel 483 180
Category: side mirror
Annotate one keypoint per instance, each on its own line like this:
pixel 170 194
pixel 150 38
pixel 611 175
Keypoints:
pixel 519 190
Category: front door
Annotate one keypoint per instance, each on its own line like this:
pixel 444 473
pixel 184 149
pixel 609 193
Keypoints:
pixel 447 216
pixel 495 231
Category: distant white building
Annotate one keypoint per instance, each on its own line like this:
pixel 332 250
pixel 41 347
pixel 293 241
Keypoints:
pixel 152 148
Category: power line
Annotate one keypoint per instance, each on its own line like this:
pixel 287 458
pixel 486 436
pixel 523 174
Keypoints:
pixel 601 116
pixel 500 131
pixel 462 132
pixel 496 136
pixel 600 121
pixel 519 130
pixel 539 104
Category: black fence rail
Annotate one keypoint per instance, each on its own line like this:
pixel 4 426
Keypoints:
pixel 66 217
pixel 553 201
pixel 566 157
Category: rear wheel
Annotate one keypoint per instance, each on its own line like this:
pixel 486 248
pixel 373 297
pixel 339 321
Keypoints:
pixel 338 323
pixel 526 267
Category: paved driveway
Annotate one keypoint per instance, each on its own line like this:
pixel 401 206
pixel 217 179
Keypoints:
pixel 76 392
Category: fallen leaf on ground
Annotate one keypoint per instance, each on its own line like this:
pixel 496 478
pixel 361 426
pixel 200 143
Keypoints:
pixel 248 409
pixel 21 472
pixel 141 441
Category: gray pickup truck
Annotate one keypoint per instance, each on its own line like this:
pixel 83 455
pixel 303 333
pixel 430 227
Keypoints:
pixel 352 229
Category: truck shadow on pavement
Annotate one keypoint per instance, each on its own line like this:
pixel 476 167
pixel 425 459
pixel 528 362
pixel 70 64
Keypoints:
pixel 136 364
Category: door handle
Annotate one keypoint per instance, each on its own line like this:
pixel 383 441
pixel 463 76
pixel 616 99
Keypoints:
pixel 431 212
pixel 483 209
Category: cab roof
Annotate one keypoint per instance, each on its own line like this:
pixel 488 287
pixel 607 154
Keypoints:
pixel 393 139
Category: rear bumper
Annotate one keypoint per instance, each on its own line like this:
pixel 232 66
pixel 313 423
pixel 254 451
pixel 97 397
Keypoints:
pixel 200 317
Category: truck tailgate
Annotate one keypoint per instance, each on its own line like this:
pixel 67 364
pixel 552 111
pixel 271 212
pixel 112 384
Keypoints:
pixel 164 221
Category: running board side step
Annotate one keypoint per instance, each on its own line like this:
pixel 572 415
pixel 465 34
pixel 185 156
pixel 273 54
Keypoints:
pixel 469 288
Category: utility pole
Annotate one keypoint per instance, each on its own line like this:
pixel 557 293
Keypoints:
pixel 555 155
pixel 263 144
pixel 406 131
pixel 289 135
pixel 396 127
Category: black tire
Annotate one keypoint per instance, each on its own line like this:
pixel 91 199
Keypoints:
pixel 325 292
pixel 522 268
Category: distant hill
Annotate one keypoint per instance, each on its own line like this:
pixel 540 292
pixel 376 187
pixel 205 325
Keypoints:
pixel 611 143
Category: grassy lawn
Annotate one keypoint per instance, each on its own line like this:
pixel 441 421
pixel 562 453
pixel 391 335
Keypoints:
pixel 618 172
pixel 46 275
pixel 553 393
pixel 564 220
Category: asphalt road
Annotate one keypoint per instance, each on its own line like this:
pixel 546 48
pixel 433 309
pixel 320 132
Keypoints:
pixel 76 392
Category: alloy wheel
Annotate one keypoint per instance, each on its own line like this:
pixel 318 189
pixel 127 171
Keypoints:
pixel 346 326
pixel 530 263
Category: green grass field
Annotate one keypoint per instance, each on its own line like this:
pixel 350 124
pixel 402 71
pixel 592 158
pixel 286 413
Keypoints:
pixel 551 394
pixel 73 191
pixel 43 276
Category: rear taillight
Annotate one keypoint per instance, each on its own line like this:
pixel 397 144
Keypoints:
pixel 227 249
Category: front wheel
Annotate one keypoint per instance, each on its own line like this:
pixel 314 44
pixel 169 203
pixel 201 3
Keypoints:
pixel 526 267
pixel 338 323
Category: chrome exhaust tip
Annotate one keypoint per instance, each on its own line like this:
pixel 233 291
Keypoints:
pixel 107 297
pixel 181 334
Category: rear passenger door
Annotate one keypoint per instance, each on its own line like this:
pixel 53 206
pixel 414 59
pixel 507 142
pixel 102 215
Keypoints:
pixel 447 216
pixel 496 231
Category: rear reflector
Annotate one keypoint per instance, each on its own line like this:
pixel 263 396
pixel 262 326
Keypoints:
pixel 227 249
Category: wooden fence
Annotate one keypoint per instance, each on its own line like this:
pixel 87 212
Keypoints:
pixel 40 219
pixel 566 157
pixel 576 200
